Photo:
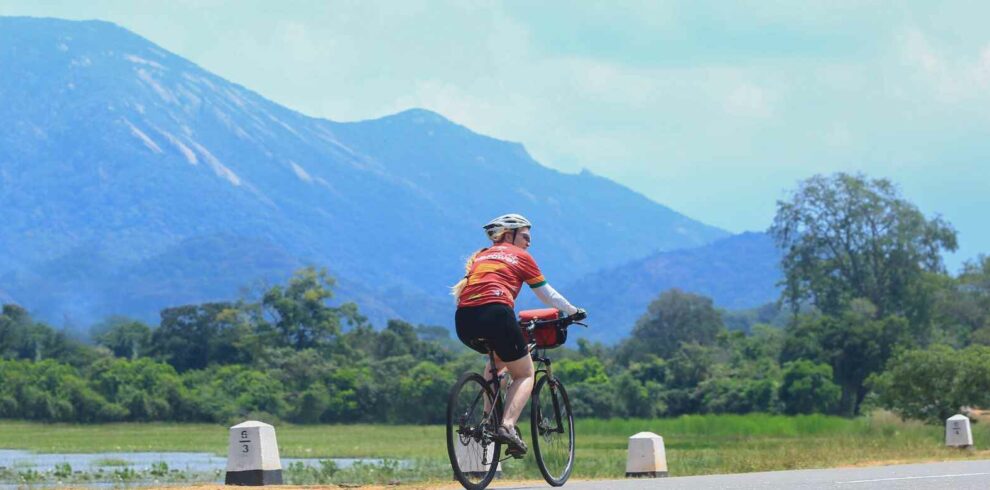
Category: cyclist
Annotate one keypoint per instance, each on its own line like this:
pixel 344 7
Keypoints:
pixel 485 298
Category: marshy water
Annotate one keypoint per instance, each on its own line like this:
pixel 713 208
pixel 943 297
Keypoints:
pixel 19 468
pixel 193 462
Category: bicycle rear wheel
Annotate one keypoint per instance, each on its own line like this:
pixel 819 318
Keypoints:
pixel 471 448
pixel 553 430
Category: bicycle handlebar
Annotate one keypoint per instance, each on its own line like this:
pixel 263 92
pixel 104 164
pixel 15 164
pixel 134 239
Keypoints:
pixel 563 322
pixel 578 316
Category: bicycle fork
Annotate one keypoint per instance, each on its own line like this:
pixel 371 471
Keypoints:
pixel 559 426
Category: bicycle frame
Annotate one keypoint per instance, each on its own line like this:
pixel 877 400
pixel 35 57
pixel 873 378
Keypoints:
pixel 541 364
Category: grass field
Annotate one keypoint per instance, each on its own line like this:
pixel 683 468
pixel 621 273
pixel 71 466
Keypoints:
pixel 695 444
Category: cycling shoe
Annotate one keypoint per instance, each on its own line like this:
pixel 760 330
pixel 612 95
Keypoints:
pixel 516 446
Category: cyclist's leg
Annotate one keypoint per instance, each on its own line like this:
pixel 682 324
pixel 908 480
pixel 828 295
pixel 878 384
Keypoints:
pixel 512 352
pixel 522 373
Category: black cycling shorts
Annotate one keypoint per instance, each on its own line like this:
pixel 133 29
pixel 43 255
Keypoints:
pixel 495 322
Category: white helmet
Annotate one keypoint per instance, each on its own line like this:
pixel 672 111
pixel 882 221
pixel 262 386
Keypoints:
pixel 506 222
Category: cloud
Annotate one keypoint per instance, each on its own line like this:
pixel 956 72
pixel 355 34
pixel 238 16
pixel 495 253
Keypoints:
pixel 747 100
pixel 919 52
pixel 983 67
pixel 838 135
pixel 952 75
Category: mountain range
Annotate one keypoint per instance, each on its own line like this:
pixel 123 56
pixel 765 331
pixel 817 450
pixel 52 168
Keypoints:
pixel 738 272
pixel 132 179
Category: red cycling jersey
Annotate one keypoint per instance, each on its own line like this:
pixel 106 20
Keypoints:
pixel 497 274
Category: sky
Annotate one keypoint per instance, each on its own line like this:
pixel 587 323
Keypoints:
pixel 716 109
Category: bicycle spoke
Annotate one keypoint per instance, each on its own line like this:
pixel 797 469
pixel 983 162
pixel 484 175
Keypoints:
pixel 553 431
pixel 472 450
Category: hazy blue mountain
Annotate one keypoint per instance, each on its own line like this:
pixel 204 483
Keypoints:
pixel 132 179
pixel 6 298
pixel 738 272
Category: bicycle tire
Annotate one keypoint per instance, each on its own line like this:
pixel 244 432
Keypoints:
pixel 468 441
pixel 553 438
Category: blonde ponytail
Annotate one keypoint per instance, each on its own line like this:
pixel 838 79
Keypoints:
pixel 499 235
pixel 456 289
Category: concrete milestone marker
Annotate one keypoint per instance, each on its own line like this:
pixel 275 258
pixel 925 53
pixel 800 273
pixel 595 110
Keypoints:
pixel 958 432
pixel 647 457
pixel 252 456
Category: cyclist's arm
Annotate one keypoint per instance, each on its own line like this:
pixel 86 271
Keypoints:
pixel 550 297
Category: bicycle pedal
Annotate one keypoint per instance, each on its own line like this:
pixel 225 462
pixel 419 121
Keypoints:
pixel 514 454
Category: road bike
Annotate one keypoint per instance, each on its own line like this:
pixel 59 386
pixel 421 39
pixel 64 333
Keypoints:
pixel 475 405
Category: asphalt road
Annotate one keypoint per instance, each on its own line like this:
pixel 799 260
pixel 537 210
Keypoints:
pixel 954 475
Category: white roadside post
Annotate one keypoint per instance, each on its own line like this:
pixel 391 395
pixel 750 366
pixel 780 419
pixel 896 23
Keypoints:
pixel 252 455
pixel 958 432
pixel 469 459
pixel 647 457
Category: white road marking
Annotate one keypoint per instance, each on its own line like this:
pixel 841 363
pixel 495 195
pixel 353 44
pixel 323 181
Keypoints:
pixel 912 478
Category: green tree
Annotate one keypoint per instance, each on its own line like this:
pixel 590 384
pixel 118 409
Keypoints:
pixel 674 318
pixel 974 282
pixel 381 392
pixel 808 388
pixel 687 368
pixel 651 369
pixel 397 339
pixel 733 394
pixel 311 404
pixel 856 344
pixel 225 393
pixel 51 391
pixel 123 336
pixel 298 315
pixel 419 393
pixel 690 365
pixel 195 336
pixel 588 370
pixel 345 387
pixel 14 322
pixel 638 398
pixel 22 338
pixel 933 384
pixel 963 304
pixel 763 342
pixel 846 237
pixel 745 376
pixel 148 390
pixel 595 400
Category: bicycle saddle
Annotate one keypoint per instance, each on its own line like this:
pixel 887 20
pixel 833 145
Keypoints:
pixel 480 343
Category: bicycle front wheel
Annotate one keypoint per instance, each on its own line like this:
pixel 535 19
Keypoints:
pixel 471 448
pixel 553 430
